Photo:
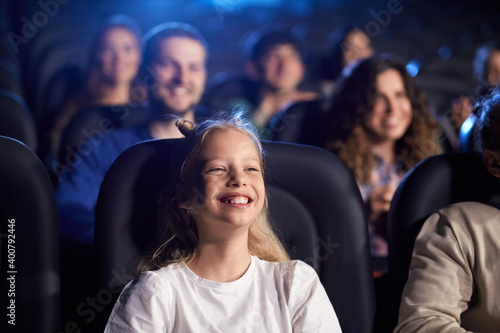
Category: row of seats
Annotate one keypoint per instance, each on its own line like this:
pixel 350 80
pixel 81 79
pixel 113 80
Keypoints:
pixel 313 198
pixel 306 208
pixel 16 116
pixel 317 206
pixel 16 119
pixel 30 290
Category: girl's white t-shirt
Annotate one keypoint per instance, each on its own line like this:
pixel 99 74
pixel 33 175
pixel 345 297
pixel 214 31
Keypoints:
pixel 269 297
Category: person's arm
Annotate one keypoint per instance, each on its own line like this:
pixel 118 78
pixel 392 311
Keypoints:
pixel 440 284
pixel 310 307
pixel 379 201
pixel 142 307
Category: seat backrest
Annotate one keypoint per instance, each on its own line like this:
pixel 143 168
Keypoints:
pixel 469 136
pixel 16 119
pixel 92 123
pixel 29 264
pixel 433 184
pixel 60 88
pixel 60 44
pixel 301 122
pixel 231 89
pixel 56 59
pixel 313 199
pixel 10 76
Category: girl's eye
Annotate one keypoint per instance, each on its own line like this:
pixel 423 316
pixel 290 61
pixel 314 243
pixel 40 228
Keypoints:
pixel 252 169
pixel 218 169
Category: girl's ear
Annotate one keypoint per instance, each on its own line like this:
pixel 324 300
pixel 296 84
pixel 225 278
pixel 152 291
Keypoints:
pixel 252 71
pixel 492 162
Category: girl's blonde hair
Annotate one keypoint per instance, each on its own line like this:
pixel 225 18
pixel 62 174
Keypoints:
pixel 178 240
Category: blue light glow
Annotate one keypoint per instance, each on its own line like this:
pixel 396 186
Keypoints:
pixel 230 5
pixel 445 53
pixel 413 68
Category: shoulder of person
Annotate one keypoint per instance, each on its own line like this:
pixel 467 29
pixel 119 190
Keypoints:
pixel 469 212
pixel 466 220
pixel 152 281
pixel 146 284
pixel 298 272
pixel 167 273
pixel 292 271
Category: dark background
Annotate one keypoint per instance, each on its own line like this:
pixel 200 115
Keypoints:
pixel 441 35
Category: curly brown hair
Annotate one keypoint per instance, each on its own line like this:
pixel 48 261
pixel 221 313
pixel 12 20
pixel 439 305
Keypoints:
pixel 355 99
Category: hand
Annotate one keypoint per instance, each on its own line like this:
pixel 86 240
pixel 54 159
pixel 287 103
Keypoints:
pixel 263 113
pixel 379 201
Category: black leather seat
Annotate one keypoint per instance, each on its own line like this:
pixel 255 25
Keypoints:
pixel 433 184
pixel 469 136
pixel 62 85
pixel 10 76
pixel 227 90
pixel 93 122
pixel 16 119
pixel 301 122
pixel 63 44
pixel 313 199
pixel 29 243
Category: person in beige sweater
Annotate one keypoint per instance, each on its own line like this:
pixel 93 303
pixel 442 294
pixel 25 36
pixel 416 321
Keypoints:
pixel 455 269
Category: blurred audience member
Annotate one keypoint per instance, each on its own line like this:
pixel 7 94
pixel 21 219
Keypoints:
pixel 275 66
pixel 380 127
pixel 452 286
pixel 487 64
pixel 345 45
pixel 112 75
pixel 486 67
pixel 175 57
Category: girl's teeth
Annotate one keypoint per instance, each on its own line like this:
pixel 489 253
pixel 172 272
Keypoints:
pixel 238 201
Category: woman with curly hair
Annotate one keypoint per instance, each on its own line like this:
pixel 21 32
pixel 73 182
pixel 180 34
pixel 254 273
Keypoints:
pixel 381 127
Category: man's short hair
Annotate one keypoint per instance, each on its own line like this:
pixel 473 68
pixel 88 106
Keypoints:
pixel 165 30
pixel 258 43
pixel 488 118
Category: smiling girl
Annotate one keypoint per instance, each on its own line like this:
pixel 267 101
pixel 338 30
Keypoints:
pixel 220 267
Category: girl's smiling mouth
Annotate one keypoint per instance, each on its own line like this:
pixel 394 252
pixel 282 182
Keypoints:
pixel 236 199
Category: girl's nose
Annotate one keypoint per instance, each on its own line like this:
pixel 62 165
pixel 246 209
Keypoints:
pixel 237 179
